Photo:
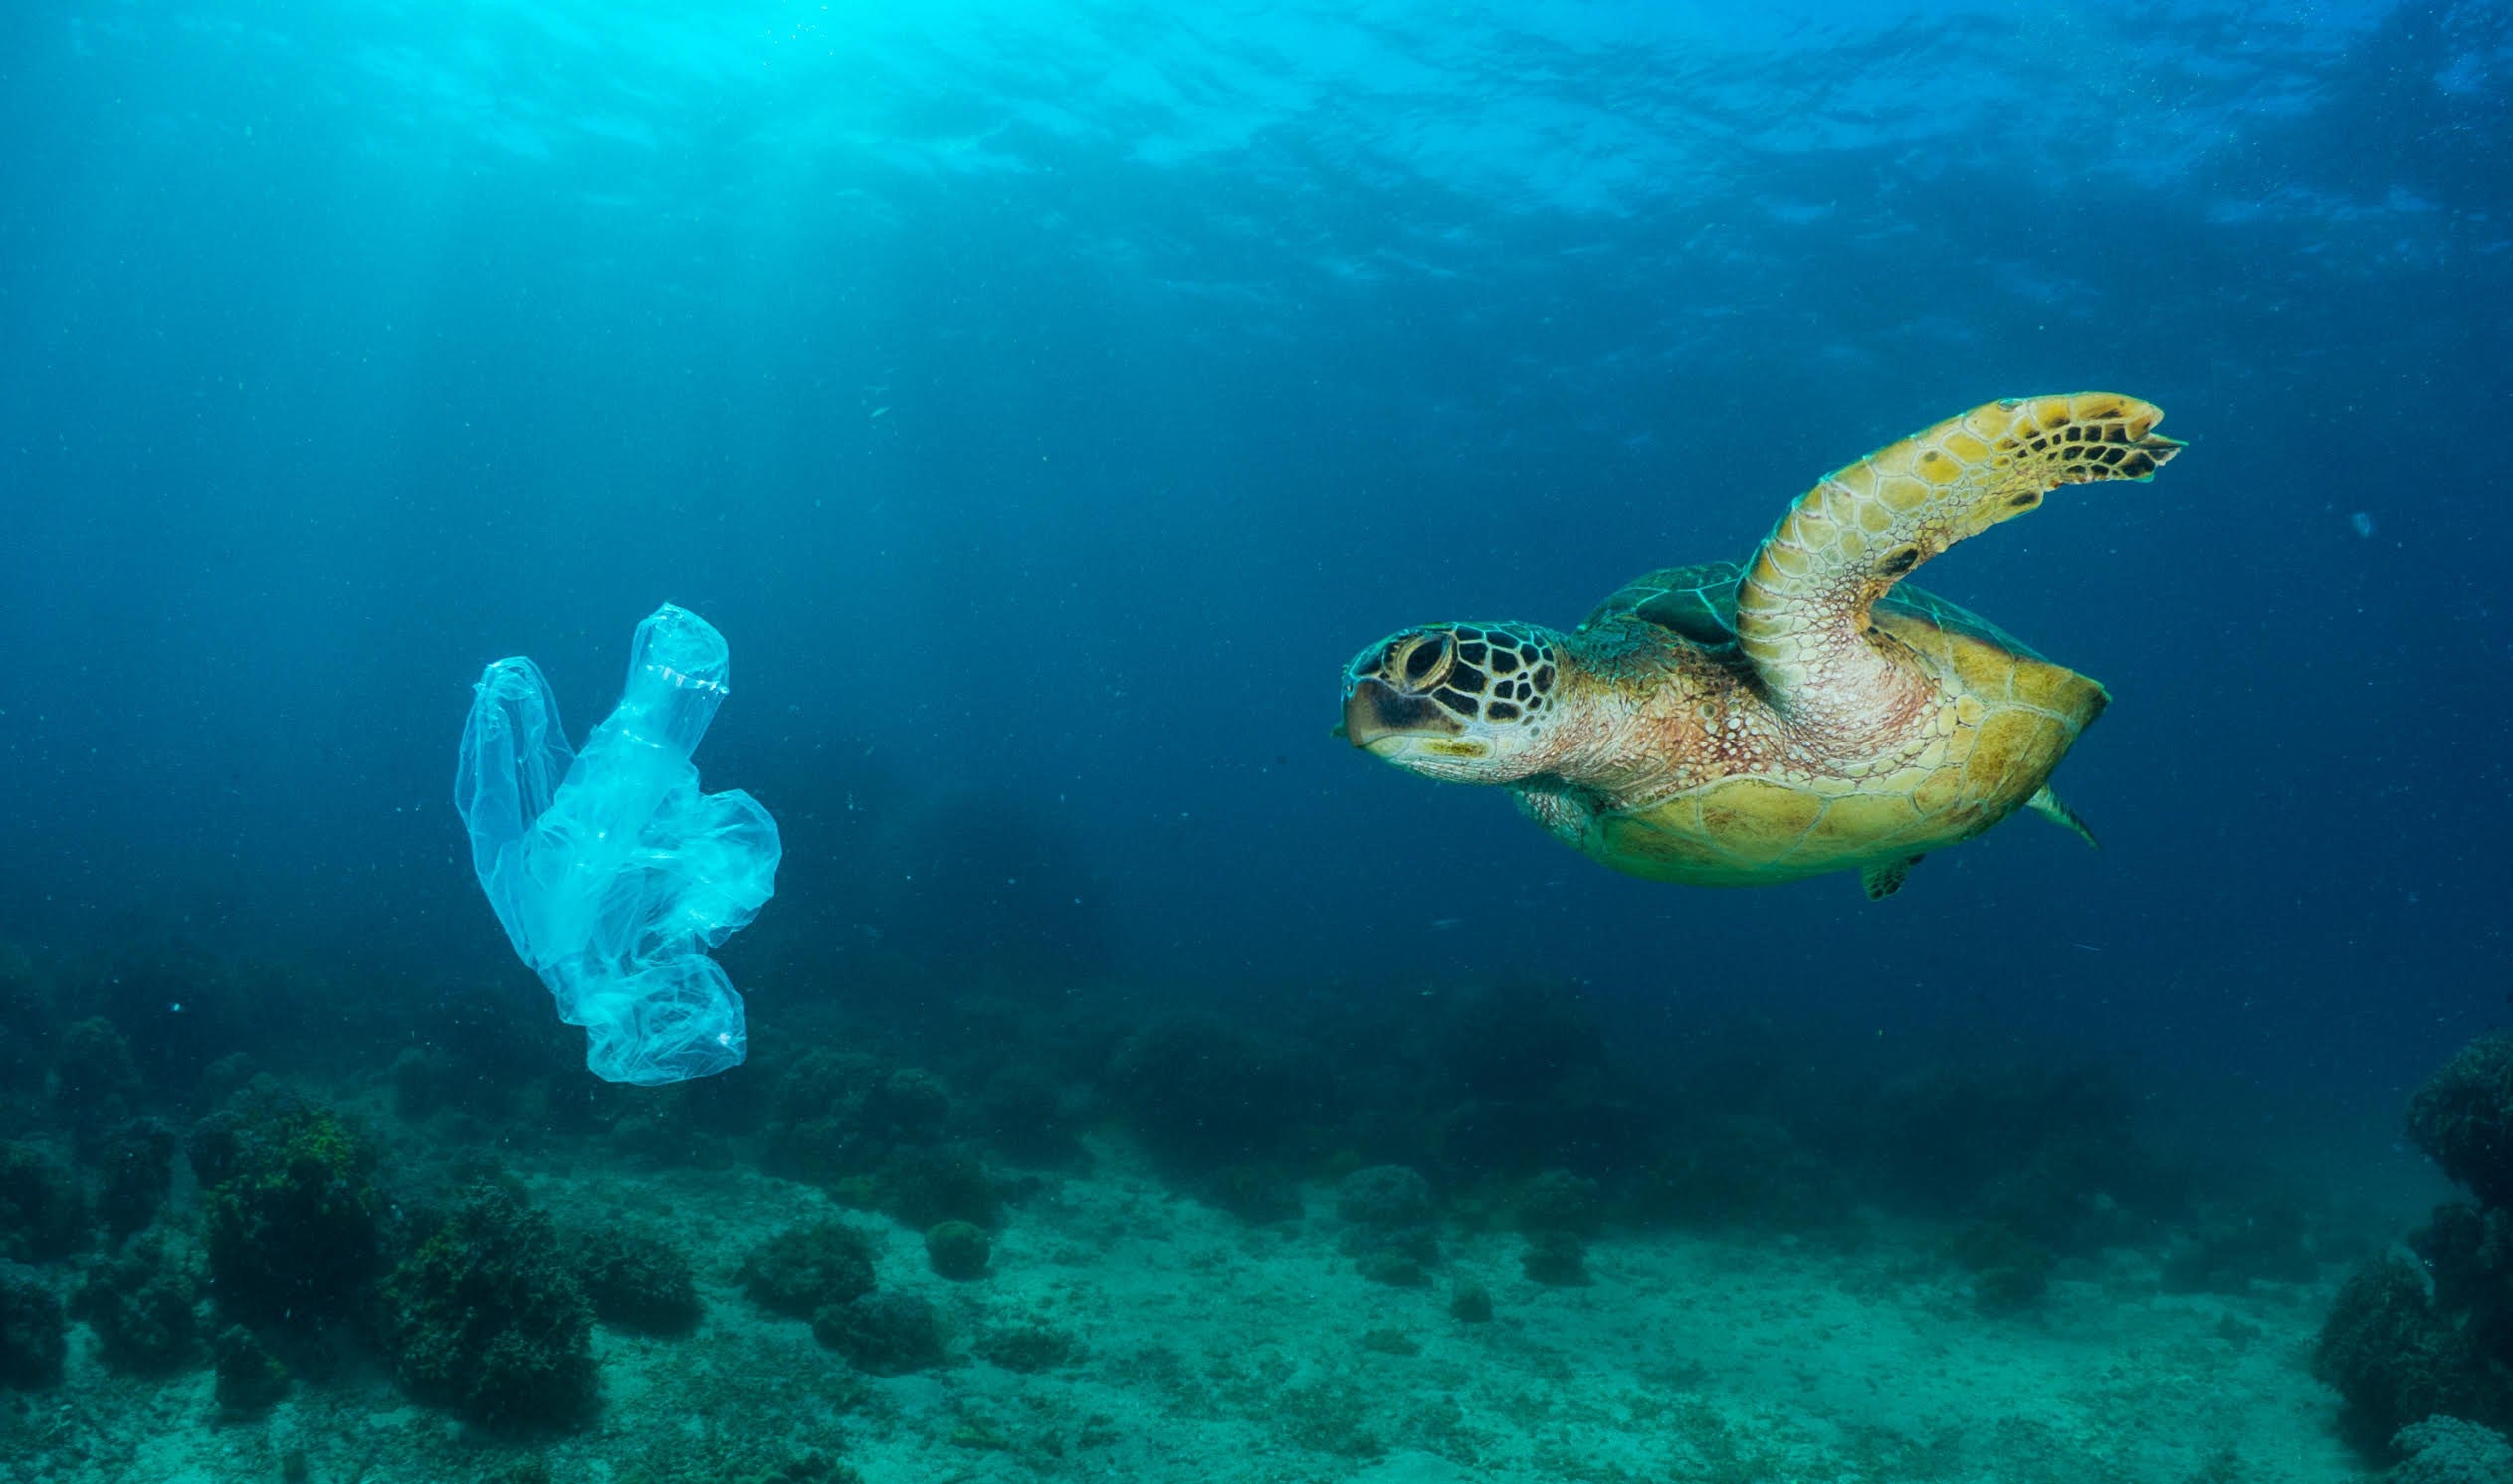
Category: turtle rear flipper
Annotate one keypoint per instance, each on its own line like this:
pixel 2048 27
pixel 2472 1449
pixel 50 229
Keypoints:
pixel 1802 603
pixel 1885 880
pixel 2049 805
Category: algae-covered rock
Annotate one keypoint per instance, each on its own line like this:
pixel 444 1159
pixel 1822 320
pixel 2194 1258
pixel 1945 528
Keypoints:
pixel 33 1337
pixel 1557 1259
pixel 2463 1118
pixel 641 1282
pixel 921 1184
pixel 2393 1360
pixel 141 1303
pixel 135 1165
pixel 1557 1201
pixel 43 1210
pixel 2447 1450
pixel 1385 1197
pixel 956 1250
pixel 292 1221
pixel 250 1378
pixel 887 1333
pixel 1390 1231
pixel 805 1269
pixel 486 1318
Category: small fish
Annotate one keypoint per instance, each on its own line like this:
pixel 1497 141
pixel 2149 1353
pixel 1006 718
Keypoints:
pixel 876 412
pixel 2362 521
pixel 1442 925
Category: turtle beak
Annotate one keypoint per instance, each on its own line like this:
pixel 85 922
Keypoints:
pixel 1361 725
pixel 1375 712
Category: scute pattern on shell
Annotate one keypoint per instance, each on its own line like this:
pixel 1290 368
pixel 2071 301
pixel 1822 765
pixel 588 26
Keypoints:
pixel 1803 713
pixel 1748 799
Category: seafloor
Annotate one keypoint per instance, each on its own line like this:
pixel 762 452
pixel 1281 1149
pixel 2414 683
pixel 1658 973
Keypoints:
pixel 1198 1250
pixel 1210 1349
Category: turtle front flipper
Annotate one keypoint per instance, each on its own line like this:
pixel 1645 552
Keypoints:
pixel 1802 603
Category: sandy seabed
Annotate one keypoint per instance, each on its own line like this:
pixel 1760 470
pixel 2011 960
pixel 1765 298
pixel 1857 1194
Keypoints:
pixel 1206 1349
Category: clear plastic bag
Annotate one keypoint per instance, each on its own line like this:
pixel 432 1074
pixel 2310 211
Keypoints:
pixel 611 871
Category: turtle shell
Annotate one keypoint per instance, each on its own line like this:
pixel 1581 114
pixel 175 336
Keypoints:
pixel 2006 718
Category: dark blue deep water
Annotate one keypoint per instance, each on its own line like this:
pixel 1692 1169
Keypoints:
pixel 1047 399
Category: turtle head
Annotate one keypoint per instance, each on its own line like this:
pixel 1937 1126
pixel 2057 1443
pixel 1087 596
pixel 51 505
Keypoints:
pixel 1469 702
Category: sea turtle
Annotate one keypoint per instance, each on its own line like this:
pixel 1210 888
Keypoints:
pixel 1729 725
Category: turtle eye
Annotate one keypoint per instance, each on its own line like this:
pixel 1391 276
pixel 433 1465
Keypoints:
pixel 1427 659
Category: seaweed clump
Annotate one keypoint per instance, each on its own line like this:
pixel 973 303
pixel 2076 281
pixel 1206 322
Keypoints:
pixel 874 1136
pixel 2463 1118
pixel 837 1116
pixel 250 1378
pixel 956 1250
pixel 1557 1259
pixel 43 1212
pixel 927 1183
pixel 1391 1223
pixel 2447 1450
pixel 2402 1344
pixel 137 1164
pixel 640 1282
pixel 887 1333
pixel 33 1338
pixel 805 1269
pixel 1557 1201
pixel 141 1303
pixel 486 1319
pixel 2394 1359
pixel 292 1221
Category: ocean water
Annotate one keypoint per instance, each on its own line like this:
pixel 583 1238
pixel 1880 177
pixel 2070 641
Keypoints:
pixel 1047 401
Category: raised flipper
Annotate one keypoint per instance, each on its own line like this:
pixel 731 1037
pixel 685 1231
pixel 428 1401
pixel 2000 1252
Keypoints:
pixel 1885 880
pixel 2047 804
pixel 1802 603
pixel 1696 603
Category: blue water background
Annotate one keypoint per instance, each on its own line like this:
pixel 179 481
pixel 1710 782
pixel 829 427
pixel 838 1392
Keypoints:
pixel 1046 399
